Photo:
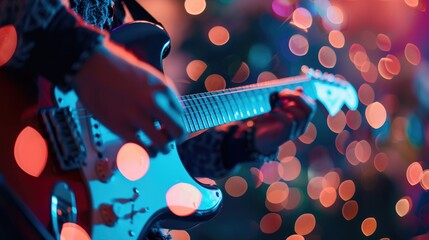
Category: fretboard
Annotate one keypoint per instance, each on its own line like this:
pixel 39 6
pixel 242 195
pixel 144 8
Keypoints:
pixel 210 109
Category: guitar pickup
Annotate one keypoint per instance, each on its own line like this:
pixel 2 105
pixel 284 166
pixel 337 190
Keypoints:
pixel 64 137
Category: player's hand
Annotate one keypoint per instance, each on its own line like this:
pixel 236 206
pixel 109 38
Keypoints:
pixel 289 117
pixel 128 95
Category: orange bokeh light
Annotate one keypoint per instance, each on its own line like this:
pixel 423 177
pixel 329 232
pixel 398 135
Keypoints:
pixel 314 187
pixel 370 75
pixel 368 227
pixel 347 190
pixel 270 172
pixel 266 76
pixel 236 186
pixel 293 200
pixel 335 15
pixel 412 3
pixel 215 82
pixel 31 151
pixel 336 39
pixel 132 161
pixel 350 210
pixel 393 65
pixel 328 196
pixel 8 43
pixel 242 73
pixel 403 206
pixel 331 179
pixel 309 135
pixel 219 35
pixel 195 7
pixel 414 173
pixel 72 231
pixel 195 69
pixel 277 192
pixel 383 42
pixel 257 175
pixel 179 235
pixel 270 223
pixel 183 199
pixel 425 180
pixel 366 94
pixel 302 18
pixel 295 237
pixel 289 168
pixel 286 150
pixel 412 54
pixel 341 140
pixel 337 122
pixel 363 151
pixel 353 119
pixel 376 115
pixel 305 224
pixel 381 162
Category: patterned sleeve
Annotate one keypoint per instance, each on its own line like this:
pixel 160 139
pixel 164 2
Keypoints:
pixel 52 41
pixel 217 151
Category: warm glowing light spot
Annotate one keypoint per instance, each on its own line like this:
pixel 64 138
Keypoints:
pixel 298 45
pixel 353 119
pixel 8 43
pixel 335 15
pixel 242 73
pixel 289 168
pixel 302 18
pixel 305 224
pixel 179 235
pixel 274 207
pixel 219 35
pixel 412 3
pixel 266 76
pixel 382 69
pixel 270 223
pixel 381 161
pixel 314 187
pixel 412 53
pixel 370 75
pixel 215 82
pixel 331 179
pixel 328 196
pixel 270 172
pixel 347 190
pixel 195 7
pixel 236 186
pixel 361 61
pixel 72 231
pixel 207 181
pixel 350 153
pixel 31 151
pixel 293 200
pixel 363 151
pixel 336 39
pixel 414 173
pixel 350 210
pixel 282 8
pixel 341 140
pixel 295 237
pixel 309 135
pixel 403 206
pixel 383 42
pixel 399 126
pixel 183 199
pixel 327 57
pixel 277 192
pixel 425 180
pixel 337 122
pixel 287 149
pixel 376 115
pixel 369 226
pixel 195 69
pixel 393 65
pixel 257 175
pixel 366 94
pixel 133 161
pixel 354 49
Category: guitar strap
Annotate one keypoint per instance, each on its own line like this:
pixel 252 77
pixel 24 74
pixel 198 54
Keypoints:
pixel 139 13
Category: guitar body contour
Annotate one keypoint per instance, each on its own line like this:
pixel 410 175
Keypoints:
pixel 80 181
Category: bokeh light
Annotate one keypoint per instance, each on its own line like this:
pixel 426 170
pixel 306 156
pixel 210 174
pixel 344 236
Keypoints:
pixel 282 8
pixel 257 175
pixel 305 224
pixel 294 199
pixel 195 7
pixel 376 115
pixel 403 206
pixel 309 135
pixel 327 57
pixel 331 179
pixel 412 3
pixel 414 173
pixel 179 235
pixel 277 192
pixel 383 42
pixel 363 151
pixel 393 65
pixel 270 172
pixel 270 223
pixel 341 140
pixel 295 237
pixel 266 76
pixel 242 73
pixel 298 45
pixel 236 186
pixel 381 161
pixel 302 18
pixel 315 187
pixel 215 82
pixel 289 168
pixel 337 123
pixel 219 35
pixel 31 151
pixel 183 199
pixel 328 196
pixel 347 190
pixel 286 150
pixel 369 225
pixel 370 75
pixel 195 69
pixel 425 180
pixel 366 94
pixel 412 53
pixel 8 43
pixel 353 119
pixel 350 210
pixel 72 231
pixel 132 161
pixel 335 15
pixel 336 39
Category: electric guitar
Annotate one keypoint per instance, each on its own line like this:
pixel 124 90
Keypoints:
pixel 71 171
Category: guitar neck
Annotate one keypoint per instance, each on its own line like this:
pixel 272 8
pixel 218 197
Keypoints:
pixel 211 109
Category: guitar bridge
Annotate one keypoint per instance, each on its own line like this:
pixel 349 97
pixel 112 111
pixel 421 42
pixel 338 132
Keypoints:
pixel 64 137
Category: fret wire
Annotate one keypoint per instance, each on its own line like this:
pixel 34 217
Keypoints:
pixel 202 114
pixel 192 116
pixel 211 109
pixel 206 112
